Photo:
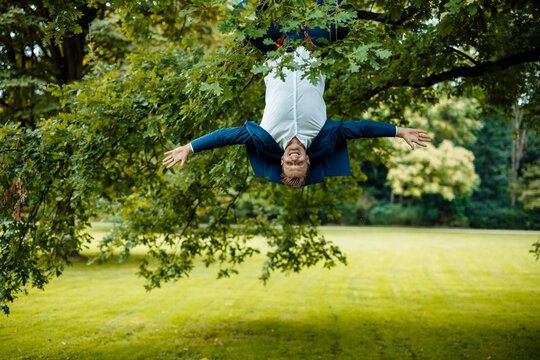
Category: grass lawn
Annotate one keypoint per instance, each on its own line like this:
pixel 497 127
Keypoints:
pixel 404 295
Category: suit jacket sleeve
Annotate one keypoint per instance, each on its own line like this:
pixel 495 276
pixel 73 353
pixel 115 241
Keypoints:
pixel 221 137
pixel 367 128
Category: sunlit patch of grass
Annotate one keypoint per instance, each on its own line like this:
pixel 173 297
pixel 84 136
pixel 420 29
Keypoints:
pixel 403 295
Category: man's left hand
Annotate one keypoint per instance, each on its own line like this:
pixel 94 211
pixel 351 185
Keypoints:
pixel 413 136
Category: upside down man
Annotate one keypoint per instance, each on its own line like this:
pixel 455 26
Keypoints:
pixel 295 143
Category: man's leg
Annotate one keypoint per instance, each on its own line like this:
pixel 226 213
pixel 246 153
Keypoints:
pixel 319 36
pixel 332 32
pixel 273 32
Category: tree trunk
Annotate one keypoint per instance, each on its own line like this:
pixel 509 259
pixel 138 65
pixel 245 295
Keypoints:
pixel 518 144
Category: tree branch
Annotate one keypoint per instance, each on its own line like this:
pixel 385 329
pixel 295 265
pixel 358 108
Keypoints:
pixel 460 71
pixel 467 56
pixel 407 14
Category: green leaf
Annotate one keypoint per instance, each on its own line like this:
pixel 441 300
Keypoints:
pixel 383 54
pixel 214 87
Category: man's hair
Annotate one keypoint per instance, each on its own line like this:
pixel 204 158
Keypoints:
pixel 295 181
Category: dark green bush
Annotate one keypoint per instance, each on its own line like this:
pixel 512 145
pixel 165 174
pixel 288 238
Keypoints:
pixel 486 216
pixel 396 214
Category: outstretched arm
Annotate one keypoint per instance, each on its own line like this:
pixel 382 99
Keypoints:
pixel 366 128
pixel 216 139
pixel 413 136
pixel 370 128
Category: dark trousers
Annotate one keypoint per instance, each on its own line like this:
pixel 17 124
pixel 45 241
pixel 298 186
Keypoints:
pixel 319 37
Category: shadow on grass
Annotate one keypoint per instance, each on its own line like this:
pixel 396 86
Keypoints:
pixel 112 262
pixel 134 260
pixel 343 336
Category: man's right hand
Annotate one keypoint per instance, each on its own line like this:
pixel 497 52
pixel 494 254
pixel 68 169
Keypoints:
pixel 179 154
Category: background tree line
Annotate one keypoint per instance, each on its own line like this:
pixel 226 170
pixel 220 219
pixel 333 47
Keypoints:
pixel 93 92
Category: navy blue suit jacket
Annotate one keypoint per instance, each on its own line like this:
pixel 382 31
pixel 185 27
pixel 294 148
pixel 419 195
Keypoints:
pixel 327 153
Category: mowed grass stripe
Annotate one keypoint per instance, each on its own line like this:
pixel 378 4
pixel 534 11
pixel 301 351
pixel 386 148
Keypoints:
pixel 403 295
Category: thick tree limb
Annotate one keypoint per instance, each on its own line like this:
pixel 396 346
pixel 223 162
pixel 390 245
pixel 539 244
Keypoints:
pixel 460 71
pixel 407 14
pixel 483 68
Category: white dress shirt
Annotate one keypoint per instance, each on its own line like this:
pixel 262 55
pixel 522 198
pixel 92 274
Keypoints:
pixel 294 107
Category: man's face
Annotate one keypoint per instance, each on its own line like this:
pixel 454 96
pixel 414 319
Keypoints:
pixel 295 161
